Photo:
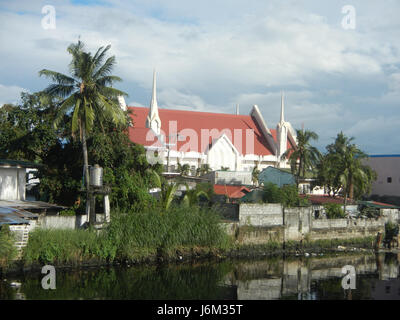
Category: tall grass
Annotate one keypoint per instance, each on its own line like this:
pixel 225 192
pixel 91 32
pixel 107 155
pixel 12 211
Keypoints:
pixel 8 251
pixel 130 236
pixel 64 246
pixel 180 227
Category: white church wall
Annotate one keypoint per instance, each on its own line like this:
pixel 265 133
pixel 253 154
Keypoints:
pixel 222 154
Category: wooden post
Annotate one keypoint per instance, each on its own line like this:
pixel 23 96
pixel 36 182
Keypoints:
pixel 378 240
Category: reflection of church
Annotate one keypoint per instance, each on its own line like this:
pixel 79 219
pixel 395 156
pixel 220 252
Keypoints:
pixel 234 141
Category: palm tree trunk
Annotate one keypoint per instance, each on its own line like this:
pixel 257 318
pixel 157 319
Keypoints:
pixel 351 192
pixel 86 169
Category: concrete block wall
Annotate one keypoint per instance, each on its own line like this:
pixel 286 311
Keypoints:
pixel 345 228
pixel 261 215
pixel 390 215
pixel 298 222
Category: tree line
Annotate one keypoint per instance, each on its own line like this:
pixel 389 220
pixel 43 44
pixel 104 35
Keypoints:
pixel 340 169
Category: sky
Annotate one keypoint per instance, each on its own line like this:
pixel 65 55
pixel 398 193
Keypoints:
pixel 339 68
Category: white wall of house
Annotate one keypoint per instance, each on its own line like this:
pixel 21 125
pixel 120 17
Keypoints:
pixel 12 183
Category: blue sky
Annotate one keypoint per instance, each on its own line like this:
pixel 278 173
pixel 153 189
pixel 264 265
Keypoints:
pixel 211 55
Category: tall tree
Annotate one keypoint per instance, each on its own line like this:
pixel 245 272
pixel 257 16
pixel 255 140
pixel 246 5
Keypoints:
pixel 304 157
pixel 87 93
pixel 346 168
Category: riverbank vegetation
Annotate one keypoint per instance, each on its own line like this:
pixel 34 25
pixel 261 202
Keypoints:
pixel 8 251
pixel 132 237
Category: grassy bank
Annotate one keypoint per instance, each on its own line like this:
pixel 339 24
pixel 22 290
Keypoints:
pixel 132 237
pixel 180 234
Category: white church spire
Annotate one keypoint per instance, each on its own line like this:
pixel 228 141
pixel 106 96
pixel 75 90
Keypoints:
pixel 282 107
pixel 153 120
pixel 282 131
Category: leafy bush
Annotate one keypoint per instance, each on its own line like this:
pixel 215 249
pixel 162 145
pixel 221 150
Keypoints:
pixel 334 211
pixel 288 195
pixel 8 251
pixel 370 212
pixel 391 230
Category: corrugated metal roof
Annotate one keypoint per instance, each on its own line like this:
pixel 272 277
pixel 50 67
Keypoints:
pixel 19 163
pixel 380 205
pixel 15 216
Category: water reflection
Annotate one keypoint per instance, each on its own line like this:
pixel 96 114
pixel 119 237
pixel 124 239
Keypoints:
pixel 315 278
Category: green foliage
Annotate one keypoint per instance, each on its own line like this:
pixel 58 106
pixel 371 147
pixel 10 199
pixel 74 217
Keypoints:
pixel 287 195
pixel 391 230
pixel 272 193
pixel 341 168
pixel 132 236
pixel 370 212
pixel 8 251
pixel 183 169
pixel 334 211
pixel 204 168
pixel 88 91
pixel 152 230
pixel 66 247
pixel 27 133
pixel 304 158
pixel 202 192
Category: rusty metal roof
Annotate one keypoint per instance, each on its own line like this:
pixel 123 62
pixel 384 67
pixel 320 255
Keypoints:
pixel 15 216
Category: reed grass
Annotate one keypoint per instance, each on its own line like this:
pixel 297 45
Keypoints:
pixel 130 236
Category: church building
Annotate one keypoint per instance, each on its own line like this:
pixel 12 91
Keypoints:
pixel 231 142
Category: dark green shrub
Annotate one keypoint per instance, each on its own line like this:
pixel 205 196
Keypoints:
pixel 334 211
pixel 288 195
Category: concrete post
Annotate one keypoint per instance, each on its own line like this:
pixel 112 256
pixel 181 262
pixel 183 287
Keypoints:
pixel 107 208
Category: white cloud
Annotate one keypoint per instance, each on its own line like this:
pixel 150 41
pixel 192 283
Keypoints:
pixel 210 56
pixel 10 94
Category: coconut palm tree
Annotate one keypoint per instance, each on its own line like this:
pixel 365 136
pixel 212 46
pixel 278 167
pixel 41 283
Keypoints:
pixel 87 94
pixel 192 196
pixel 167 191
pixel 351 172
pixel 304 157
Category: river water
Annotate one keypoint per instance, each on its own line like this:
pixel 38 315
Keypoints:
pixel 311 278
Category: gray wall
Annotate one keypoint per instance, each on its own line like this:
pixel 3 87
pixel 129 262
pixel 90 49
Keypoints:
pixel 297 223
pixel 65 222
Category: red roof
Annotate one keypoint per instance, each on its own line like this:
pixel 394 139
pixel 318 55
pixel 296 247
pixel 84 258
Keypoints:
pixel 322 199
pixel 231 191
pixel 198 123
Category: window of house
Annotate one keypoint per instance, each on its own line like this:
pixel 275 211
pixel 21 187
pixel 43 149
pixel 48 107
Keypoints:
pixel 389 180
